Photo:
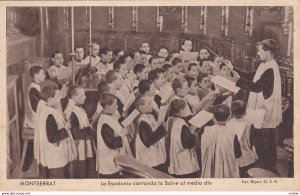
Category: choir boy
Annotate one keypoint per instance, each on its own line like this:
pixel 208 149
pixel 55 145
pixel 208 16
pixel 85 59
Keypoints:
pixel 82 134
pixel 112 139
pixel 54 145
pixel 94 58
pixel 220 147
pixel 182 153
pixel 149 143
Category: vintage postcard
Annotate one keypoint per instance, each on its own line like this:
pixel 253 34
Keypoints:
pixel 149 95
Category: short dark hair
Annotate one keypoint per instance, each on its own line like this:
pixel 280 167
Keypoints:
pixel 153 74
pixel 201 76
pixel 238 108
pixel 117 65
pixel 106 99
pixel 269 45
pixel 34 70
pixel 163 47
pixel 104 50
pixel 116 51
pixel 103 87
pixel 189 79
pixel 221 112
pixel 167 66
pixel 138 68
pixel 222 65
pixel 56 52
pixel 176 61
pixel 188 39
pixel 191 65
pixel 78 46
pixel 132 54
pixel 153 58
pixel 111 75
pixel 176 105
pixel 144 85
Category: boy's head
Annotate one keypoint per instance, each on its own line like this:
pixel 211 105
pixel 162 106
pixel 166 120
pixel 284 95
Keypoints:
pixel 146 87
pixel 157 77
pixel 115 77
pixel 106 55
pixel 154 62
pixel 238 108
pixel 143 57
pixel 180 86
pixel 106 87
pixel 161 61
pixel 51 94
pixel 192 84
pixel 95 49
pixel 108 102
pixel 218 60
pixel 204 54
pixel 193 69
pixel 163 52
pixel 57 58
pixel 205 66
pixel 117 53
pixel 224 70
pixel 79 50
pixel 145 47
pixel 169 72
pixel 120 66
pixel 144 104
pixel 187 45
pixel 140 71
pixel 77 94
pixel 37 74
pixel 178 107
pixel 136 57
pixel 178 66
pixel 221 113
pixel 203 81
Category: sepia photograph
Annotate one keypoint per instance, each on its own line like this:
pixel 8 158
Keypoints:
pixel 149 92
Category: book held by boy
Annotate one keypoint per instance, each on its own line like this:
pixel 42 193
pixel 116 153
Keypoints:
pixel 201 118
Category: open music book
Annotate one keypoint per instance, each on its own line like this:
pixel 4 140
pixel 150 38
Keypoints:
pixel 64 74
pixel 225 83
pixel 130 118
pixel 189 56
pixel 201 118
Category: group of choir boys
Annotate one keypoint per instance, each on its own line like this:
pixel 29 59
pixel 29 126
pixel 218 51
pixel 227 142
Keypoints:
pixel 167 93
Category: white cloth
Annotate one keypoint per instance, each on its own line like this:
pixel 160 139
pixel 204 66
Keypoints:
pixel 241 127
pixel 30 115
pixel 272 105
pixel 182 161
pixel 84 147
pixel 51 155
pixel 105 156
pixel 156 153
pixel 217 151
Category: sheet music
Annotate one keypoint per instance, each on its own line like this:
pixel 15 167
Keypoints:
pixel 129 102
pixel 201 118
pixel 130 118
pixel 225 83
pixel 64 74
pixel 189 56
pixel 255 117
